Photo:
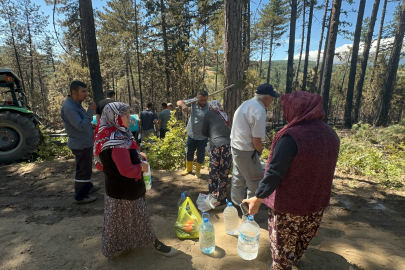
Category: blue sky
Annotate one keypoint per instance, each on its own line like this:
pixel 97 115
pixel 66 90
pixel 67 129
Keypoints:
pixel 281 52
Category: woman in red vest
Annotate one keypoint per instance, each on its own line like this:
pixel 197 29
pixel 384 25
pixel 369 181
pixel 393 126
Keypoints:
pixel 298 179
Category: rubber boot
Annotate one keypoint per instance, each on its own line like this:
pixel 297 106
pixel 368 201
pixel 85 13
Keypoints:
pixel 189 168
pixel 197 170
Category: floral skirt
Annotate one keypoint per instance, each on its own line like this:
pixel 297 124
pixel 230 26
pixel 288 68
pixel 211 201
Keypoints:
pixel 127 225
pixel 290 236
pixel 220 163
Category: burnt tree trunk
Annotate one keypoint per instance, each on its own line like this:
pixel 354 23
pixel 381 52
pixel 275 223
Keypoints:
pixel 166 48
pixel 377 47
pixel 305 73
pixel 314 85
pixel 330 54
pixel 302 43
pixel 233 67
pixel 290 62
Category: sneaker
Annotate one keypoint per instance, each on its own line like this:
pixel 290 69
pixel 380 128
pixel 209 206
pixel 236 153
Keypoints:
pixel 93 189
pixel 87 199
pixel 171 253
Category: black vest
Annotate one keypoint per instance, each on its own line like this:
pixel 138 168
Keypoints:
pixel 118 186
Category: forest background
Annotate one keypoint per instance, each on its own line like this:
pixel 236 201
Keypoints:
pixel 164 50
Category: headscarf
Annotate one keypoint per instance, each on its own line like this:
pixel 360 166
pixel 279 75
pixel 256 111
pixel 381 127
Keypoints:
pixel 297 107
pixel 110 133
pixel 216 107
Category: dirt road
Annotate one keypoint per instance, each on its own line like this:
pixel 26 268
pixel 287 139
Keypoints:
pixel 41 227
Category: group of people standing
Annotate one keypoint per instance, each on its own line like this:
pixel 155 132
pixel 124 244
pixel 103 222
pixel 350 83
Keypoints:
pixel 296 184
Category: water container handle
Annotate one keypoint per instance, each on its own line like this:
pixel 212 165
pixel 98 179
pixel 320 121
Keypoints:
pixel 184 194
pixel 207 215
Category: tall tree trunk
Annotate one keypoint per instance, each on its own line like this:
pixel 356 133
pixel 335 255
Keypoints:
pixel 391 72
pixel 319 49
pixel 138 58
pixel 246 43
pixel 86 10
pixel 233 68
pixel 330 54
pixel 271 53
pixel 216 73
pixel 302 42
pixel 377 48
pixel 353 66
pixel 41 87
pixel 31 58
pixel 16 54
pixel 82 43
pixel 132 75
pixel 261 61
pixel 366 52
pixel 291 44
pixel 127 78
pixel 305 74
pixel 166 48
pixel 325 49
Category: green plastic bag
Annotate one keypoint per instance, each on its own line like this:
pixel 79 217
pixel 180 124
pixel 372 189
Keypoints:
pixel 188 221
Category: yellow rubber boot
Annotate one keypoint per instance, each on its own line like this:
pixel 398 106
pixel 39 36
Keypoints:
pixel 189 168
pixel 197 170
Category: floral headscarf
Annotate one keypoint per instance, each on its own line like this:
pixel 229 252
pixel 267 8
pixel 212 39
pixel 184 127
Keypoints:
pixel 216 107
pixel 110 133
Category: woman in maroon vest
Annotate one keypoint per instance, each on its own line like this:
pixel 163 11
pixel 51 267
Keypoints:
pixel 127 223
pixel 298 180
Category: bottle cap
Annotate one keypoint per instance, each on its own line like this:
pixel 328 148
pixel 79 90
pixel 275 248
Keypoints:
pixel 229 203
pixel 206 219
pixel 251 217
pixel 184 194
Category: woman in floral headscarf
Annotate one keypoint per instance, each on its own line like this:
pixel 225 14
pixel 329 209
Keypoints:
pixel 216 128
pixel 127 223
pixel 298 179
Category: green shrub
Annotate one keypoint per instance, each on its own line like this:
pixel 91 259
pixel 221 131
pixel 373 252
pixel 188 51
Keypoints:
pixel 168 153
pixel 47 150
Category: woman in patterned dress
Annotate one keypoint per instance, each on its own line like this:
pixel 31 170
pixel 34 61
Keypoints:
pixel 127 223
pixel 216 128
pixel 298 179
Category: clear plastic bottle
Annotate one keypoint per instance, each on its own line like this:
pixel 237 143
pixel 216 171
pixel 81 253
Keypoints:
pixel 182 199
pixel 231 219
pixel 206 235
pixel 147 178
pixel 248 240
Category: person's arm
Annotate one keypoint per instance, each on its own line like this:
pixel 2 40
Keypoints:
pixel 97 118
pixel 183 106
pixel 205 127
pixel 258 145
pixel 284 152
pixel 160 118
pixel 140 123
pixel 76 121
pixel 122 160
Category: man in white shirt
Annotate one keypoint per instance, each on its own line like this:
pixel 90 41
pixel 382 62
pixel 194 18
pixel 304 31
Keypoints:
pixel 248 130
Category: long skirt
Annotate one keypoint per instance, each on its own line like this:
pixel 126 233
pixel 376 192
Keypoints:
pixel 220 163
pixel 290 236
pixel 127 225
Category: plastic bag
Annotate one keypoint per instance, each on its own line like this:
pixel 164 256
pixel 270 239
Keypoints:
pixel 206 202
pixel 188 221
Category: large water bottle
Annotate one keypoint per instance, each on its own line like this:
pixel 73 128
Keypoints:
pixel 147 178
pixel 231 219
pixel 248 240
pixel 207 235
pixel 182 199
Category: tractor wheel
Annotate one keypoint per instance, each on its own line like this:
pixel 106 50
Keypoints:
pixel 19 137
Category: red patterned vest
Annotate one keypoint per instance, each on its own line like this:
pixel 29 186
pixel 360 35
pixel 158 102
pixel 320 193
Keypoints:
pixel 307 185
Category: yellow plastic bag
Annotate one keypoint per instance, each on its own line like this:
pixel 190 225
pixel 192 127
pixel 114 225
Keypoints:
pixel 188 221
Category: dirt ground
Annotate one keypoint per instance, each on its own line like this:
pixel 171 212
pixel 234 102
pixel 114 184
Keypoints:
pixel 41 227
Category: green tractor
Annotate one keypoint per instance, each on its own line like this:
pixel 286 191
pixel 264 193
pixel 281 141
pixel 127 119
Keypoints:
pixel 19 132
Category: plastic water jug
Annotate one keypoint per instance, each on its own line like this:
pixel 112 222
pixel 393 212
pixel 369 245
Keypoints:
pixel 147 179
pixel 182 198
pixel 231 219
pixel 206 235
pixel 248 240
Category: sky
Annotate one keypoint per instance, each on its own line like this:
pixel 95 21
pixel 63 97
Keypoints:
pixel 280 53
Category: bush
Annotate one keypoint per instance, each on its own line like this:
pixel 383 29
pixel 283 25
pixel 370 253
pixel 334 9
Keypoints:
pixel 168 153
pixel 47 150
pixel 375 153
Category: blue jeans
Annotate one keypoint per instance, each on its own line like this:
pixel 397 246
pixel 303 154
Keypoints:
pixel 198 145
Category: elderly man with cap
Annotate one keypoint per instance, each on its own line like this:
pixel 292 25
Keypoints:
pixel 248 130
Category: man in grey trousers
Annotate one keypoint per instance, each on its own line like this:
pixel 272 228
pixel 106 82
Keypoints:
pixel 77 123
pixel 248 130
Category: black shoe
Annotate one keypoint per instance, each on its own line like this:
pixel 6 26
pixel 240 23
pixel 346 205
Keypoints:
pixel 87 199
pixel 93 189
